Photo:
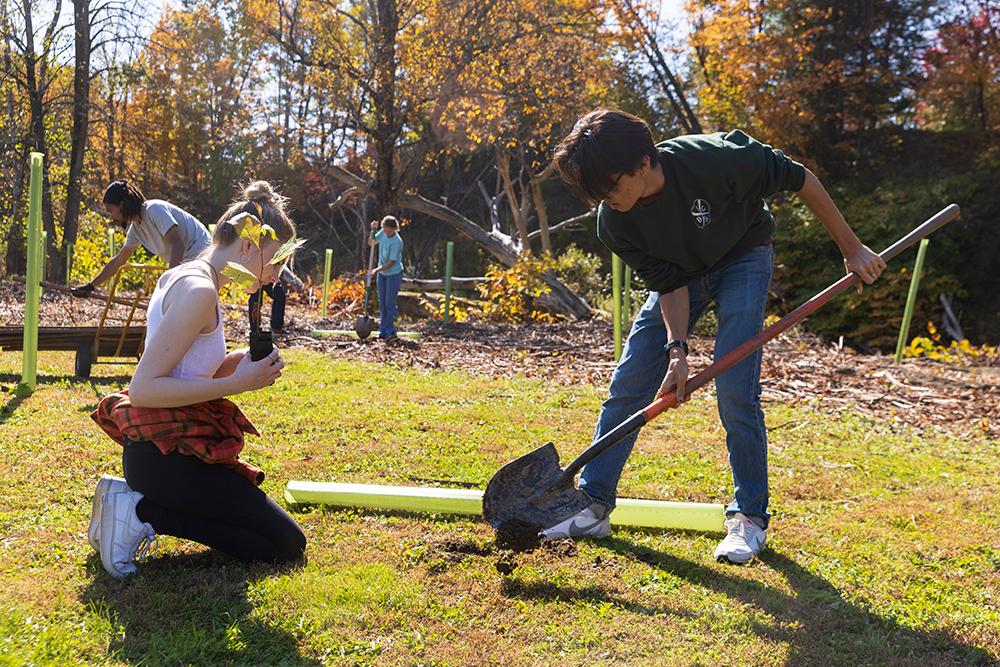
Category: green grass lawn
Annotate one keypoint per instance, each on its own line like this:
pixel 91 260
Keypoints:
pixel 884 549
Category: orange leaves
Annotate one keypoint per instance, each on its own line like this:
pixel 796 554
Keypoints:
pixel 749 67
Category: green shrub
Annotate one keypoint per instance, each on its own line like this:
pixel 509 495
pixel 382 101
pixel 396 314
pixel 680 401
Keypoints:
pixel 581 272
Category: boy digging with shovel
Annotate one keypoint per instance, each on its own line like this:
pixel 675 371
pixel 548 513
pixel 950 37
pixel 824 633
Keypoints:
pixel 688 215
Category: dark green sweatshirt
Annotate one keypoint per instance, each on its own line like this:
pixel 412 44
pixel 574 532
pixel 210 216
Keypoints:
pixel 711 210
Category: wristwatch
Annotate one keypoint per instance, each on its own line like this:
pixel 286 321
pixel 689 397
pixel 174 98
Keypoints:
pixel 676 343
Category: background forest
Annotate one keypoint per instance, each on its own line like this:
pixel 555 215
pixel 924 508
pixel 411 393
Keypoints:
pixel 445 113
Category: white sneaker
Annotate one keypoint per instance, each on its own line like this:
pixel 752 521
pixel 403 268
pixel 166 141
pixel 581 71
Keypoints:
pixel 593 521
pixel 107 484
pixel 744 541
pixel 123 535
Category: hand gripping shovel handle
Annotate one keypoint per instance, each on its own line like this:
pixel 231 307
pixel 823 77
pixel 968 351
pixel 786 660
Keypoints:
pixel 669 400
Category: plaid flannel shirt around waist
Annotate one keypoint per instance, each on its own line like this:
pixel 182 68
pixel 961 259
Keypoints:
pixel 211 431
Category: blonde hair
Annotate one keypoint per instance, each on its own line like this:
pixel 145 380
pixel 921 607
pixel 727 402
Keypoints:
pixel 261 201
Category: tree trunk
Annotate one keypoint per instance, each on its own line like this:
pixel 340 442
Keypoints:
pixel 81 121
pixel 15 261
pixel 35 80
pixel 518 209
pixel 541 210
pixel 384 102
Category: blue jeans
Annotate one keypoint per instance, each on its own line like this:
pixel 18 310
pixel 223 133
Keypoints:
pixel 739 291
pixel 388 291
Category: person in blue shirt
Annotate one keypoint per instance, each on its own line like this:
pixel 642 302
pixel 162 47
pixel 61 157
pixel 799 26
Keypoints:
pixel 388 273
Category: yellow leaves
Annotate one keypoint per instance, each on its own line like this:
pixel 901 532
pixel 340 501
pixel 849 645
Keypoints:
pixel 252 229
pixel 240 275
pixel 510 292
pixel 958 352
pixel 746 56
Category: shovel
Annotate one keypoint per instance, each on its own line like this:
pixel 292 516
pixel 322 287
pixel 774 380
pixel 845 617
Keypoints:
pixel 534 492
pixel 363 324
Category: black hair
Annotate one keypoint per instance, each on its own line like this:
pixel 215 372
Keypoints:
pixel 603 144
pixel 124 194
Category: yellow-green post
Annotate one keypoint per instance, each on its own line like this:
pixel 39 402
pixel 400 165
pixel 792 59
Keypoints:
pixel 326 280
pixel 449 262
pixel 911 298
pixel 616 302
pixel 111 242
pixel 29 369
pixel 69 264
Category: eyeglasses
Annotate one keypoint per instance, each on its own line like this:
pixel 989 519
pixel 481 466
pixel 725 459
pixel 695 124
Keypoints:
pixel 614 185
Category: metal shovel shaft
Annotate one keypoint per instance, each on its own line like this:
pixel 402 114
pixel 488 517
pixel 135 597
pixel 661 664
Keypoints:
pixel 669 400
pixel 368 274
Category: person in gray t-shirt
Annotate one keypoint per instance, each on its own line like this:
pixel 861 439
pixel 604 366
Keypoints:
pixel 166 230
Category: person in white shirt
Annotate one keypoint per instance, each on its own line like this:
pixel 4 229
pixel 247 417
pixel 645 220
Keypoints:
pixel 166 230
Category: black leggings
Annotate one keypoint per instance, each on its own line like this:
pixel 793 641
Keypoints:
pixel 210 504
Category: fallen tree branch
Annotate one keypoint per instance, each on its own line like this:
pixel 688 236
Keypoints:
pixel 570 224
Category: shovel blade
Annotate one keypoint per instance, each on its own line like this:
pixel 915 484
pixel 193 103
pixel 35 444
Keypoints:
pixel 528 495
pixel 364 326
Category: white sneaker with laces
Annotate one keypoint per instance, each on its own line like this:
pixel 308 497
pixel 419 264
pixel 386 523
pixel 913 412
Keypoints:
pixel 744 541
pixel 123 536
pixel 107 484
pixel 593 521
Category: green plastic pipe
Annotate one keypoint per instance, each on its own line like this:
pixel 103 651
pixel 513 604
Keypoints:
pixel 616 302
pixel 32 288
pixel 326 280
pixel 704 517
pixel 911 299
pixel 448 265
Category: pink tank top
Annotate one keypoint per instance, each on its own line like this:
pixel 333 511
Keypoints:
pixel 207 352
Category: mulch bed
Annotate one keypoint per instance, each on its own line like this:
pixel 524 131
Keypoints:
pixel 961 400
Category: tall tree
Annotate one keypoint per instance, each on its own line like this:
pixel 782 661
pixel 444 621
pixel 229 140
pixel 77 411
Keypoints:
pixel 819 76
pixel 199 96
pixel 962 90
pixel 79 135
pixel 33 76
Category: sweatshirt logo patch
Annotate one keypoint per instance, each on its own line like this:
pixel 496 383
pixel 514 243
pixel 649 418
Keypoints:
pixel 701 212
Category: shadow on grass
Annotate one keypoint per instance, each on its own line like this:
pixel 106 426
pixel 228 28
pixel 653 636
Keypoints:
pixel 101 386
pixel 548 591
pixel 190 609
pixel 8 408
pixel 42 379
pixel 818 624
